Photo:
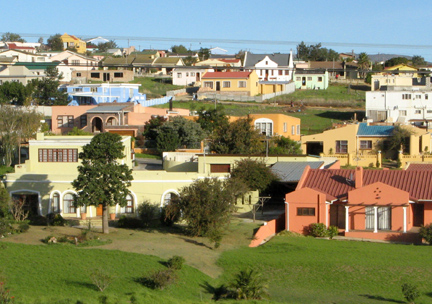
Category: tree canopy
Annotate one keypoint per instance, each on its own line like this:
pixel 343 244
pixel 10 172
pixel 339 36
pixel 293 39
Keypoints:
pixel 102 180
pixel 55 42
pixel 316 53
pixel 104 47
pixel 285 146
pixel 238 137
pixel 254 173
pixel 417 60
pixel 204 53
pixel 11 37
pixel 12 92
pixel 46 91
pixel 363 62
pixel 179 49
pixel 212 119
pixel 395 61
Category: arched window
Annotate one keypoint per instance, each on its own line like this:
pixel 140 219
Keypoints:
pixel 68 203
pixel 169 197
pixel 55 203
pixel 129 208
pixel 111 121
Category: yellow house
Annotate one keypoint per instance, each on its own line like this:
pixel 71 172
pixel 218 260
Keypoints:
pixel 275 125
pixel 70 41
pixel 404 68
pixel 356 144
pixel 232 83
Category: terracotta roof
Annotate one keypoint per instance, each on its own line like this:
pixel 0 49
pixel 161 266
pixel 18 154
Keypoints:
pixel 419 167
pixel 226 75
pixel 337 182
pixel 13 46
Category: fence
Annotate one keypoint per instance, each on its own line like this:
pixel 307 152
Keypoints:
pixel 426 158
pixel 175 92
pixel 154 102
pixel 349 159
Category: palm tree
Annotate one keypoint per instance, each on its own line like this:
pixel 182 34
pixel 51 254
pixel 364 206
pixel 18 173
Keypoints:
pixel 249 284
pixel 363 62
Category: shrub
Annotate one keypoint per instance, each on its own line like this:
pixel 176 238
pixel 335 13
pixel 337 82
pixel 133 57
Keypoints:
pixel 162 278
pixel 176 262
pixel 170 214
pixel 318 230
pixel 129 222
pixel 5 227
pixel 410 292
pixel 147 213
pixel 101 279
pixel 38 220
pixel 55 219
pixel 426 233
pixel 332 231
pixel 249 284
pixel 23 227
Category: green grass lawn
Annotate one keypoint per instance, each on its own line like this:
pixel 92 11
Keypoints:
pixel 4 170
pixel 143 155
pixel 154 88
pixel 299 269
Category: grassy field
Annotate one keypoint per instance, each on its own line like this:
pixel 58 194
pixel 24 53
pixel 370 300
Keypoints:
pixel 154 88
pixel 143 155
pixel 299 269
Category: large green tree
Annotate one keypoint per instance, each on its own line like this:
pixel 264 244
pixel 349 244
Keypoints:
pixel 285 146
pixel 315 52
pixel 102 180
pixel 417 60
pixel 179 49
pixel 11 37
pixel 254 173
pixel 364 63
pixel 46 91
pixel 238 137
pixel 104 47
pixel 395 61
pixel 12 92
pixel 55 42
pixel 212 119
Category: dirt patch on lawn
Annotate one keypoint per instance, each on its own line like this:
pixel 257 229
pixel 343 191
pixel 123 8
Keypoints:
pixel 164 242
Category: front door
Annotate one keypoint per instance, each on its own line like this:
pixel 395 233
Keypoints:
pixel 106 77
pixel 99 210
pixel 217 85
pixel 418 213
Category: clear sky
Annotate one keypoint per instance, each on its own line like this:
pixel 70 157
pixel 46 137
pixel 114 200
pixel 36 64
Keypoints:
pixel 378 26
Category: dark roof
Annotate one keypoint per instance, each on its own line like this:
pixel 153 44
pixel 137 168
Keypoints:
pixel 365 130
pixel 337 183
pixel 292 171
pixel 37 65
pixel 252 59
pixel 109 108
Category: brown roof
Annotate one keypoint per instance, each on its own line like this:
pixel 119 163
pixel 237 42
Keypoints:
pixel 419 167
pixel 338 182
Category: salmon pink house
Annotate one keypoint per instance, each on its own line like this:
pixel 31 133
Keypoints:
pixel 367 204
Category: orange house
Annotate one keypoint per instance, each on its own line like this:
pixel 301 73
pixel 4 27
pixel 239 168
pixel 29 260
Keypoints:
pixel 366 204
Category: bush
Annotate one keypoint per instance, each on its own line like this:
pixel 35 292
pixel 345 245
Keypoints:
pixel 318 230
pixel 101 279
pixel 426 233
pixel 147 213
pixel 38 220
pixel 332 231
pixel 176 262
pixel 23 227
pixel 162 278
pixel 410 292
pixel 170 214
pixel 55 219
pixel 5 227
pixel 249 284
pixel 129 222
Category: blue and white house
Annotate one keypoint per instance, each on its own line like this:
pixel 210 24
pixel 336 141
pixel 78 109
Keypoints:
pixel 93 94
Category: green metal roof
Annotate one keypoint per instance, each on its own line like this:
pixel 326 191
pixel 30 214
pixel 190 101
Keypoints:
pixel 37 65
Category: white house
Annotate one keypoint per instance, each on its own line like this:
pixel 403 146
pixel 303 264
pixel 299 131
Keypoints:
pixel 270 67
pixel 72 61
pixel 24 56
pixel 187 75
pixel 404 106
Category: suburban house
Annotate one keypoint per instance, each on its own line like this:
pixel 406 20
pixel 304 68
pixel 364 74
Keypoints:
pixel 311 80
pixel 87 76
pixel 70 41
pixel 19 73
pixel 234 83
pixel 184 76
pixel 395 82
pixel 409 105
pixel 335 69
pixel 220 65
pixel 270 67
pixel 401 69
pixel 71 62
pixel 28 47
pixel 121 118
pixel 93 94
pixel 356 144
pixel 24 56
pixel 366 204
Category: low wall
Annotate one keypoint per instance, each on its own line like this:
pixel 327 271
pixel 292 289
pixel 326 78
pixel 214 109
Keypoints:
pixel 389 236
pixel 267 231
pixel 415 159
pixel 357 160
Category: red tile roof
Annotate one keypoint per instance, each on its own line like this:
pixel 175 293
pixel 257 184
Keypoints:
pixel 13 46
pixel 226 75
pixel 417 167
pixel 337 183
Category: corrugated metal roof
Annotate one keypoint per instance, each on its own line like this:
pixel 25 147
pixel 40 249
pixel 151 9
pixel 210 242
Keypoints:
pixel 108 109
pixel 338 183
pixel 292 171
pixel 365 130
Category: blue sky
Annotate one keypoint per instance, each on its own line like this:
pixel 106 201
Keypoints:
pixel 362 26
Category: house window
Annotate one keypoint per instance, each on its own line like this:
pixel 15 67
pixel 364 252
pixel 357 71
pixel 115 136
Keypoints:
pixel 365 144
pixel 417 112
pixel 68 204
pixel 111 121
pixel 265 128
pixel 95 75
pixel 65 121
pixel 402 113
pixel 298 78
pixel 298 129
pixel 55 203
pixel 192 74
pixel 118 75
pixel 384 218
pixel 220 168
pixel 187 74
pixel 429 111
pixel 320 79
pixel 293 130
pixel 242 84
pixel 208 84
pixel 306 211
pixel 406 96
pixel 129 205
pixel 169 197
pixel 78 74
pixel 341 146
pixel 226 84
pixel 93 89
pixel 426 96
pixel 418 97
pixel 280 72
pixel 285 127
pixel 309 78
pixel 286 72
pixel 77 89
pixel 83 120
pixel 58 155
pixel 75 62
pixel 179 75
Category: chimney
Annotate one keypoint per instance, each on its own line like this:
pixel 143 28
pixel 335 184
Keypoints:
pixel 359 177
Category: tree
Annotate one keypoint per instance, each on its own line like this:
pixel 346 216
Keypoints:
pixel 395 61
pixel 316 53
pixel 179 49
pixel 150 127
pixel 254 173
pixel 399 138
pixel 206 207
pixel 204 53
pixel 285 146
pixel 102 180
pixel 55 42
pixel 11 37
pixel 249 284
pixel 104 47
pixel 189 60
pixel 238 137
pixel 45 91
pixel 417 60
pixel 14 93
pixel 212 119
pixel 363 62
